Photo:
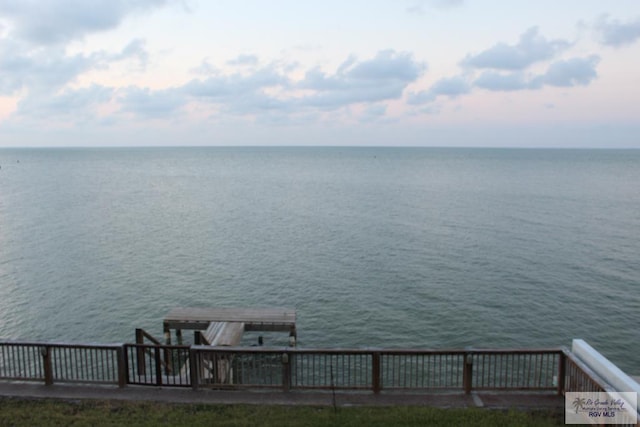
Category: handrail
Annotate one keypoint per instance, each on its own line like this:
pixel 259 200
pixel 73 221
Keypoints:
pixel 60 344
pixel 141 334
pixel 595 379
pixel 369 350
pixel 371 368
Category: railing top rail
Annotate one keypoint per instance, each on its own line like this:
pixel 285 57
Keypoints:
pixel 382 351
pixel 548 350
pixel 364 350
pixel 61 344
pixel 164 346
pixel 326 351
pixel 469 350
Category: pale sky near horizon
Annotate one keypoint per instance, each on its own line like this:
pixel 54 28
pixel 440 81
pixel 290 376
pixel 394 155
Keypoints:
pixel 561 73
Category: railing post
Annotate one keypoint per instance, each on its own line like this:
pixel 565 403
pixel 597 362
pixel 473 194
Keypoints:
pixel 158 366
pixel 46 362
pixel 141 368
pixel 194 368
pixel 562 366
pixel 122 366
pixel 467 373
pixel 375 372
pixel 286 371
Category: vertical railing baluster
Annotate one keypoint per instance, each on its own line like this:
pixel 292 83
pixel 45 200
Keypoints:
pixel 532 369
pixel 15 349
pixel 100 365
pixel 21 362
pixel 59 361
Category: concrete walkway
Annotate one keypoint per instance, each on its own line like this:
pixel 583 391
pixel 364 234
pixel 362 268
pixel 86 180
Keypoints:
pixel 525 401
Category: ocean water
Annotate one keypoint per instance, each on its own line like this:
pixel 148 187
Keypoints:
pixel 388 247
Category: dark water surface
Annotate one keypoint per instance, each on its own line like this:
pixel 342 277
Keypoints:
pixel 392 247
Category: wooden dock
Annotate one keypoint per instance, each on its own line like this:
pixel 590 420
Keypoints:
pixel 225 325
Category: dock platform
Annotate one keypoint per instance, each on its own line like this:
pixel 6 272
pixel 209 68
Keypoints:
pixel 252 319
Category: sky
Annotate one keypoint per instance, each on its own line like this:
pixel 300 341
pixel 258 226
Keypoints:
pixel 447 73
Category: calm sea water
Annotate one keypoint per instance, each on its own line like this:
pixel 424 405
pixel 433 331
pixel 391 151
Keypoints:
pixel 389 247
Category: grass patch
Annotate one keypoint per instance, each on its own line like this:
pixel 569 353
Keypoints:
pixel 18 412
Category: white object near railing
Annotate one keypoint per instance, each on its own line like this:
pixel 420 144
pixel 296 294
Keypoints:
pixel 609 372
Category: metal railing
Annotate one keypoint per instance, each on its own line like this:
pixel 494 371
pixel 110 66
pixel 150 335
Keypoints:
pixel 330 369
pixel 516 369
pixel 56 362
pixel 230 368
pixel 157 365
pixel 85 363
pixel 376 370
pixel 419 369
pixel 21 361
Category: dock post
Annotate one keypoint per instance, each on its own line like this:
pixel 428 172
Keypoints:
pixel 167 352
pixel 179 336
pixel 167 333
pixel 293 336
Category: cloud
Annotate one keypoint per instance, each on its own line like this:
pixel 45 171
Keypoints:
pixel 143 102
pixel 373 113
pixel 38 70
pixel 496 81
pixel 250 60
pixel 135 49
pixel 418 7
pixel 383 77
pixel 23 67
pixel 531 48
pixel 617 34
pixel 33 57
pixel 268 90
pixel 60 21
pixel 446 4
pixel 204 68
pixel 240 93
pixel 75 104
pixel 563 73
pixel 220 87
pixel 569 73
pixel 450 86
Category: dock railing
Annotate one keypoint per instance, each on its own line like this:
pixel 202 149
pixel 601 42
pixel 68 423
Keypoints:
pixel 551 370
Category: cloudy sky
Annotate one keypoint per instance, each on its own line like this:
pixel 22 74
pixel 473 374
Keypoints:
pixel 521 73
